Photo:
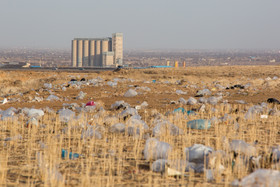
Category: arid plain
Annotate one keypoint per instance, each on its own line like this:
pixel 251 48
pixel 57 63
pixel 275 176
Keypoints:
pixel 31 149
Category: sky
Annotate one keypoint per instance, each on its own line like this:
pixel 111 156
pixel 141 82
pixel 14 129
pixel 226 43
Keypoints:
pixel 146 24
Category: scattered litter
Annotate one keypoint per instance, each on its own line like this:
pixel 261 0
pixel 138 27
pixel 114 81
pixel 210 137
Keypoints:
pixel 119 104
pixel 81 95
pixel 48 85
pixel 155 149
pixel 202 100
pixel 240 101
pixel 35 113
pixel 199 124
pixel 117 128
pixel 273 100
pixel 159 165
pixel 214 100
pixel 136 126
pixel 66 115
pixel 264 116
pixel 173 172
pixel 32 122
pixel 180 109
pixel 197 153
pixel 112 84
pixel 52 98
pixel 191 101
pixel 4 101
pixel 239 146
pixel 91 132
pixel 130 93
pixel 260 177
pixel 251 113
pixel 182 101
pixel 203 92
pixel 128 112
pixel 180 92
pixel 38 99
pixel 70 155
pixel 90 103
pixel 164 127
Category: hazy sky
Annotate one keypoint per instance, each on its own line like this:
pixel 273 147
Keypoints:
pixel 146 24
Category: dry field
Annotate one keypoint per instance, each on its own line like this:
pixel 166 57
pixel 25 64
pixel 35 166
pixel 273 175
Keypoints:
pixel 31 147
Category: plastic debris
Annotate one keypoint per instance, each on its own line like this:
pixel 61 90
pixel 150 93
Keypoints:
pixel 155 149
pixel 202 100
pixel 128 112
pixel 251 113
pixel 180 109
pixel 182 101
pixel 197 153
pixel 240 101
pixel 173 172
pixel 165 127
pixel 264 116
pixel 66 115
pixel 70 155
pixel 180 92
pixel 81 95
pixel 31 122
pixel 273 100
pixel 260 178
pixel 91 132
pixel 191 101
pixel 239 146
pixel 8 113
pixel 112 84
pixel 199 124
pixel 159 165
pixel 90 103
pixel 52 98
pixel 48 85
pixel 4 101
pixel 214 100
pixel 35 113
pixel 203 92
pixel 119 104
pixel 117 128
pixel 136 126
pixel 130 93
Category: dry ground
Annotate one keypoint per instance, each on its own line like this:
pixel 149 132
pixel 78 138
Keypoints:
pixel 29 82
pixel 116 159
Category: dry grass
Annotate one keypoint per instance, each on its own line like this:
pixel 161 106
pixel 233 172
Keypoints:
pixel 117 159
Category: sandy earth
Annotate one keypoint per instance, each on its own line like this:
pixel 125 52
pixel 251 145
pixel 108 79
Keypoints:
pixel 21 88
pixel 189 80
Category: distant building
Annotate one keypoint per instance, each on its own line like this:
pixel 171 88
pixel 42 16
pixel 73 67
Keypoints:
pixel 97 52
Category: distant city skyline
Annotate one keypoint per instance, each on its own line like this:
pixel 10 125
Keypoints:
pixel 156 24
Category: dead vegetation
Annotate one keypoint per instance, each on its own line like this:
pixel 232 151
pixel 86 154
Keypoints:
pixel 33 154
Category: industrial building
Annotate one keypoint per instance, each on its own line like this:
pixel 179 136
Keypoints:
pixel 97 52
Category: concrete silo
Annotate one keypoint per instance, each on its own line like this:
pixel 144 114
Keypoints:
pixel 98 58
pixel 104 49
pixel 117 47
pixel 97 51
pixel 74 53
pixel 91 52
pixel 80 53
pixel 85 53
